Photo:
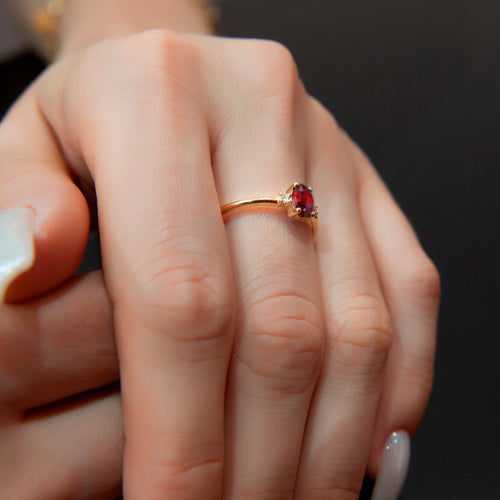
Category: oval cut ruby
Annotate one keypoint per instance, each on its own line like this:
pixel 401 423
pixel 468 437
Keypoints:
pixel 303 199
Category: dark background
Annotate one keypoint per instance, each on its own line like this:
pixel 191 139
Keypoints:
pixel 417 84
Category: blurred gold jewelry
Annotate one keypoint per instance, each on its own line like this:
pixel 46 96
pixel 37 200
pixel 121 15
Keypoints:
pixel 211 12
pixel 45 21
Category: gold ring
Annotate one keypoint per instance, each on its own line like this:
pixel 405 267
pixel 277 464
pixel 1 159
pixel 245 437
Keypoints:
pixel 297 199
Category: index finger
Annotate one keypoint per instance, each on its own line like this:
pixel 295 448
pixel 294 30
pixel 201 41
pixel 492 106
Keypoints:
pixel 165 259
pixel 44 219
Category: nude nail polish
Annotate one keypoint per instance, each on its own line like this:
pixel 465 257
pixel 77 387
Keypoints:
pixel 393 467
pixel 17 245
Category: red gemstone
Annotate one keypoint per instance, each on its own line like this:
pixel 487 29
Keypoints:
pixel 303 199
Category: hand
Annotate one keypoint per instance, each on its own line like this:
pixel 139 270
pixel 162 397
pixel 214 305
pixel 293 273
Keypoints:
pixel 253 360
pixel 60 416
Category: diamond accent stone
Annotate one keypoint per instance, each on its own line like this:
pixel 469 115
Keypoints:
pixel 284 198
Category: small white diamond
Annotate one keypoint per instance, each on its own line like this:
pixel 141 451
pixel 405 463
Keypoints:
pixel 284 198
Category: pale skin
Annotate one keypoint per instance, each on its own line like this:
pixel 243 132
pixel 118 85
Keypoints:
pixel 255 359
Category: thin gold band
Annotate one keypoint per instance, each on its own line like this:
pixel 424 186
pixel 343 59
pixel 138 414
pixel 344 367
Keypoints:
pixel 243 203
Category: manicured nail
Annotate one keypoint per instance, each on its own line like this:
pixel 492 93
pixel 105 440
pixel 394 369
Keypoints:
pixel 17 245
pixel 393 467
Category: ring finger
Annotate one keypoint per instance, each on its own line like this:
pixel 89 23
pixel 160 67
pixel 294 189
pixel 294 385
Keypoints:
pixel 279 334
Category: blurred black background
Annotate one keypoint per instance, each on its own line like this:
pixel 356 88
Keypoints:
pixel 417 85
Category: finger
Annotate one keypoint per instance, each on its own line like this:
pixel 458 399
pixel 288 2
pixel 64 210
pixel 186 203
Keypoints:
pixel 343 411
pixel 70 450
pixel 33 174
pixel 165 257
pixel 59 345
pixel 279 335
pixel 411 288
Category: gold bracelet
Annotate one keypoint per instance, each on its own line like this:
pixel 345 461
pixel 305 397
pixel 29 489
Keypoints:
pixel 45 21
pixel 210 11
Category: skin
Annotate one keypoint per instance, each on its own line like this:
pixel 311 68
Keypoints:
pixel 60 416
pixel 255 360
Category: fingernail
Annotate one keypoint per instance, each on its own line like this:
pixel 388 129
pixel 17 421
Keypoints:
pixel 393 467
pixel 17 245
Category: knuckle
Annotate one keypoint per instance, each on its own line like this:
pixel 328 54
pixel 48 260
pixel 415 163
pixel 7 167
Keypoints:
pixel 162 49
pixel 282 342
pixel 336 481
pixel 271 73
pixel 187 478
pixel 187 302
pixel 160 60
pixel 274 56
pixel 419 277
pixel 348 482
pixel 363 325
pixel 150 63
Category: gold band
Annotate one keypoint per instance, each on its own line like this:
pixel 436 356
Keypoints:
pixel 243 203
pixel 297 200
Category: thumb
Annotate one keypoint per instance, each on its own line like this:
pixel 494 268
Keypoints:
pixel 44 217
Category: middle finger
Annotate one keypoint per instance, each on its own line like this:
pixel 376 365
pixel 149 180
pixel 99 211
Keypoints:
pixel 143 136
